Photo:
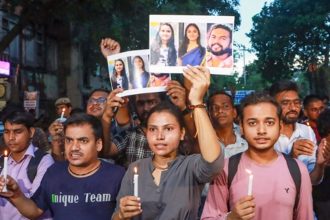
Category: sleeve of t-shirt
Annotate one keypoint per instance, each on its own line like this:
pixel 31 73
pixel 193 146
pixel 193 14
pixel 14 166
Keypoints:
pixel 215 206
pixel 41 197
pixel 305 205
pixel 205 171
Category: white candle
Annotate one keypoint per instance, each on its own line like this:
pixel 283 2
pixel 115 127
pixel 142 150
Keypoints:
pixel 136 182
pixel 5 169
pixel 250 182
pixel 62 114
pixel 310 130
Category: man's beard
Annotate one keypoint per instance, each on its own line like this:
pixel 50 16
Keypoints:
pixel 221 52
pixel 290 120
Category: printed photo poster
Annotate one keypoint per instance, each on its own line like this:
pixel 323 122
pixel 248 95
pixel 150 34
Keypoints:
pixel 31 102
pixel 180 40
pixel 130 71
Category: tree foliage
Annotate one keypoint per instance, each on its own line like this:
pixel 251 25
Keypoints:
pixel 288 35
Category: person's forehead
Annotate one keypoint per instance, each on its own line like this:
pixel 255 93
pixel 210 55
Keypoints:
pixel 146 97
pixel 260 111
pixel 315 103
pixel 99 94
pixel 220 98
pixel 14 125
pixel 287 95
pixel 61 106
pixel 220 32
pixel 84 129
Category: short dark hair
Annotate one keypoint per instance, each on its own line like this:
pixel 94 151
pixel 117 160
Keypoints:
pixel 20 117
pixel 83 118
pixel 220 92
pixel 217 26
pixel 281 86
pixel 167 106
pixel 323 123
pixel 98 90
pixel 257 98
pixel 311 98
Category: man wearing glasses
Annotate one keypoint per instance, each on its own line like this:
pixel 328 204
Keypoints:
pixel 96 102
pixel 296 139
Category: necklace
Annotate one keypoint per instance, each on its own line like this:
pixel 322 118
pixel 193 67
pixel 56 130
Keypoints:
pixel 84 174
pixel 157 166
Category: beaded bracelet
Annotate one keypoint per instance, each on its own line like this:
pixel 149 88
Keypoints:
pixel 192 107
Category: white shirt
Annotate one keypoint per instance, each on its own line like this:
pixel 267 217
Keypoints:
pixel 301 131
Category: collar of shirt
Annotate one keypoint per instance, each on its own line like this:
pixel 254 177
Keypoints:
pixel 29 152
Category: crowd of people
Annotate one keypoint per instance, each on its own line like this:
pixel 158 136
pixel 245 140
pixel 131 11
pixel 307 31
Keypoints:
pixel 171 155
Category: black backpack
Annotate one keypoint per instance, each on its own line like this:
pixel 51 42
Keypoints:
pixel 292 165
pixel 32 167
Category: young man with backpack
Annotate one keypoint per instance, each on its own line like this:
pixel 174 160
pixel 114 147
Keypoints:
pixel 276 179
pixel 26 163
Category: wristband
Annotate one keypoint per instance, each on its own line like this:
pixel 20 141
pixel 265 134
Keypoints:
pixel 192 107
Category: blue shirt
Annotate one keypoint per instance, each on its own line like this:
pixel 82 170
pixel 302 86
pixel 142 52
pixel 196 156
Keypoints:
pixel 69 197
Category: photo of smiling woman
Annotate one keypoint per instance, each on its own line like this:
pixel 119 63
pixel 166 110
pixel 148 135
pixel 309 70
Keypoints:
pixel 162 50
pixel 119 78
pixel 168 176
pixel 140 77
pixel 191 51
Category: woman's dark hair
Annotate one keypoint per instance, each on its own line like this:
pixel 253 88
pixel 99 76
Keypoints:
pixel 184 45
pixel 82 119
pixel 139 57
pixel 167 106
pixel 123 72
pixel 155 47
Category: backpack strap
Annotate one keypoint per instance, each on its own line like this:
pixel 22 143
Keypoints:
pixel 232 167
pixel 232 170
pixel 32 167
pixel 296 176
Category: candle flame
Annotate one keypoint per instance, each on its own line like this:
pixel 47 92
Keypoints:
pixel 63 110
pixel 135 170
pixel 248 171
pixel 5 153
pixel 307 123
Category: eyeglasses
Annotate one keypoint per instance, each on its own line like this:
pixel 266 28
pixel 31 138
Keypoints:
pixel 100 100
pixel 286 103
pixel 217 108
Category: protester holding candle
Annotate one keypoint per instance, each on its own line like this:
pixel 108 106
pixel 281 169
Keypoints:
pixel 273 186
pixel 170 185
pixel 18 134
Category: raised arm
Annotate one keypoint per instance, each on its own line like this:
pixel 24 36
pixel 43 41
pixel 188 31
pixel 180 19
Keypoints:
pixel 199 77
pixel 109 47
pixel 23 204
pixel 115 107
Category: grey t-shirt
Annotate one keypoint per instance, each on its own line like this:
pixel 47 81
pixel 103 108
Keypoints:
pixel 179 191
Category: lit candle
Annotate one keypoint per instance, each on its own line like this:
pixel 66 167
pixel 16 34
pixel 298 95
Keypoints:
pixel 5 169
pixel 62 114
pixel 136 182
pixel 250 182
pixel 310 130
